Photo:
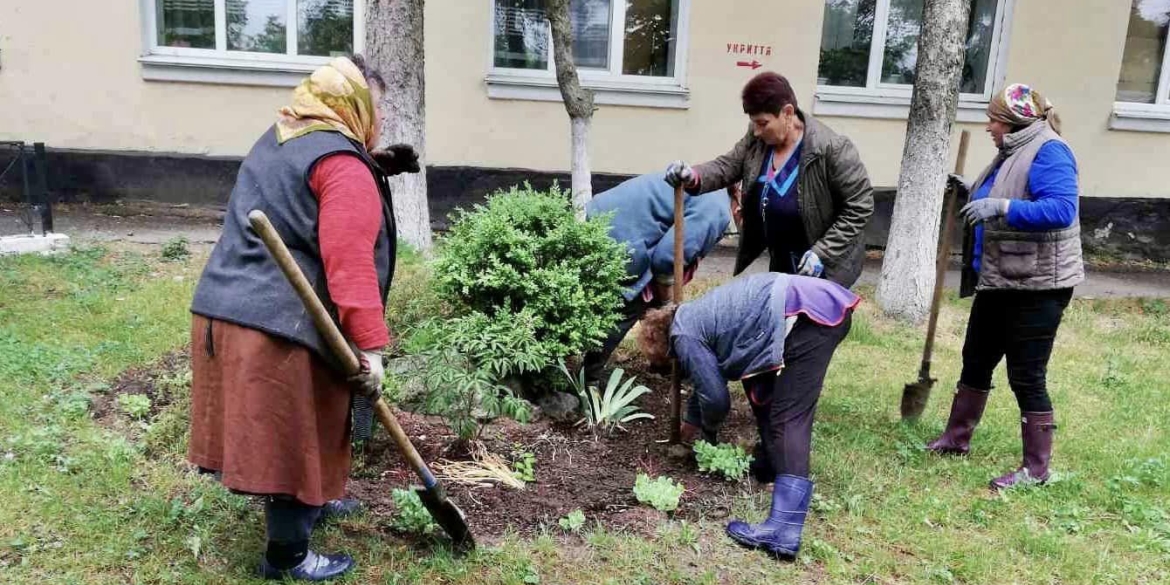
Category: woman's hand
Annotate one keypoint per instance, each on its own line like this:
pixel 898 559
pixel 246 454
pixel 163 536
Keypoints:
pixel 369 379
pixel 679 173
pixel 810 265
pixel 984 209
pixel 397 159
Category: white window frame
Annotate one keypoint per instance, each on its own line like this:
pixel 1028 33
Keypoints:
pixel 221 66
pixel 610 86
pixel 892 101
pixel 1153 117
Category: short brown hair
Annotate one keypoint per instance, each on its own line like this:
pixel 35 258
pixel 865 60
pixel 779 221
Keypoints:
pixel 767 93
pixel 654 335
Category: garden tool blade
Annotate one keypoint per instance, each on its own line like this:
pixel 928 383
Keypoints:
pixel 448 516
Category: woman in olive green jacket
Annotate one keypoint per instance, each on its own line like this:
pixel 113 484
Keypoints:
pixel 807 194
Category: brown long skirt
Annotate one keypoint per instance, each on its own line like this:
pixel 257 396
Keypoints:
pixel 267 413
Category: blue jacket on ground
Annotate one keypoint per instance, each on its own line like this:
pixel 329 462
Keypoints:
pixel 1053 183
pixel 643 218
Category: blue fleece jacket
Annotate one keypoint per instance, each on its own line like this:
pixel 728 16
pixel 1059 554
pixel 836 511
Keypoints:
pixel 643 218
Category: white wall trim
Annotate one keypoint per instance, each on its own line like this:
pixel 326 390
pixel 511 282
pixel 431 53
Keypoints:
pixel 889 107
pixel 1140 117
pixel 224 71
pixel 509 87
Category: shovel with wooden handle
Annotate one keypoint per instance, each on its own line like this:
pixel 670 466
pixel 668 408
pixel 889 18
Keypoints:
pixel 677 298
pixel 916 394
pixel 446 514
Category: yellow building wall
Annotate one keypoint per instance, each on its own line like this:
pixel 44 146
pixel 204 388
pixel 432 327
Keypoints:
pixel 76 83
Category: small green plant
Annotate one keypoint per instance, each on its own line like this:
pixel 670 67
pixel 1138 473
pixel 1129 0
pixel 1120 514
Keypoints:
pixel 176 250
pixel 135 406
pixel 464 393
pixel 524 467
pixel 612 408
pixel 412 516
pixel 573 522
pixel 662 493
pixel 727 460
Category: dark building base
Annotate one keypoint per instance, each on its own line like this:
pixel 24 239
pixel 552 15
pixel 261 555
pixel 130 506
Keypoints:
pixel 1128 228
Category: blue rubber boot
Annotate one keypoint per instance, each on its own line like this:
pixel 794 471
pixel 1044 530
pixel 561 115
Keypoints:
pixel 780 533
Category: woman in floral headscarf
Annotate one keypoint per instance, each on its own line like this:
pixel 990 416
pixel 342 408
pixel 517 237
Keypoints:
pixel 1026 256
pixel 269 415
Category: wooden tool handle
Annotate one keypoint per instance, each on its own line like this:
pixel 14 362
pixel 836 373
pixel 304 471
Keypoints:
pixel 944 254
pixel 677 298
pixel 333 337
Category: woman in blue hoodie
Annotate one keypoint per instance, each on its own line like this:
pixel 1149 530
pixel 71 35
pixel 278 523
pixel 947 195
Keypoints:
pixel 642 217
pixel 777 333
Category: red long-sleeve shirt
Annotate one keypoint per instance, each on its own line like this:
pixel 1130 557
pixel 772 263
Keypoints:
pixel 349 218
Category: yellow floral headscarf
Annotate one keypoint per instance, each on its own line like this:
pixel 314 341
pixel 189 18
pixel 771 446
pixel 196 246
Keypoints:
pixel 335 98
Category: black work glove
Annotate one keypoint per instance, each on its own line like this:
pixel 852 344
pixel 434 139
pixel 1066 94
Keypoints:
pixel 397 159
pixel 959 184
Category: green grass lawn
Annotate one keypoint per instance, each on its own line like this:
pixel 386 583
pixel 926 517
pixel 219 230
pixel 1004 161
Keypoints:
pixel 85 504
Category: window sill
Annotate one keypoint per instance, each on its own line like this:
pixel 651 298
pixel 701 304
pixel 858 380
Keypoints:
pixel 830 104
pixel 607 93
pixel 226 70
pixel 1140 118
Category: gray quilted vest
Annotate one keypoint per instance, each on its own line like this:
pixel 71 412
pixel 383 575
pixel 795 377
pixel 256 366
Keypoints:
pixel 241 283
pixel 1027 260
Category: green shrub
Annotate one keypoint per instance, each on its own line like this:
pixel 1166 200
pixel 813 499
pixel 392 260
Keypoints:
pixel 730 461
pixel 523 260
pixel 412 516
pixel 662 493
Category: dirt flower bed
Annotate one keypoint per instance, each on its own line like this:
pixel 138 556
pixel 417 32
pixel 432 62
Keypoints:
pixel 573 468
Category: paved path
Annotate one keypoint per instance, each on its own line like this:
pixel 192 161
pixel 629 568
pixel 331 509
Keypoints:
pixel 152 224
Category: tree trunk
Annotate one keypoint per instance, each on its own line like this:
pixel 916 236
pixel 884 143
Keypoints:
pixel 394 46
pixel 578 102
pixel 907 277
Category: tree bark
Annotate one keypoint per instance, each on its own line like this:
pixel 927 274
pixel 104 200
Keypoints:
pixel 394 47
pixel 907 278
pixel 578 102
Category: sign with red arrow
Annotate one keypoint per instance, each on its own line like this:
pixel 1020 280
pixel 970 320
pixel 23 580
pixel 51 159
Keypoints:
pixel 749 50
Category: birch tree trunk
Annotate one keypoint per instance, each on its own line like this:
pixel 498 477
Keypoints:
pixel 578 102
pixel 394 46
pixel 907 278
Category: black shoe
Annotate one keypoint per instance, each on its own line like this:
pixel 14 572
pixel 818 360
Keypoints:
pixel 338 509
pixel 314 568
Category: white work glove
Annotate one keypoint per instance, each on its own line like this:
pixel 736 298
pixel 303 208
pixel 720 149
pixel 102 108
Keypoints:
pixel 984 209
pixel 810 265
pixel 680 173
pixel 369 380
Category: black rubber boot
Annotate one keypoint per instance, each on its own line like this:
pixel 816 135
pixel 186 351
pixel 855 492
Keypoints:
pixel 289 526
